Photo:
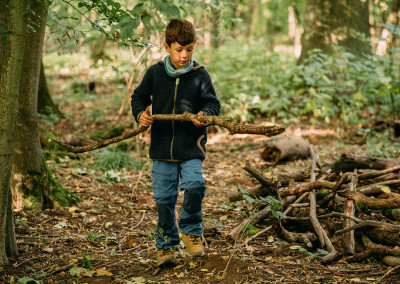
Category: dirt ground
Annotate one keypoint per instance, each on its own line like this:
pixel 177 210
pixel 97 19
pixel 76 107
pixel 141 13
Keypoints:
pixel 111 232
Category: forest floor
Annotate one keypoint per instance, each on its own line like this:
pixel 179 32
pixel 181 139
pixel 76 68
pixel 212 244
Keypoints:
pixel 111 232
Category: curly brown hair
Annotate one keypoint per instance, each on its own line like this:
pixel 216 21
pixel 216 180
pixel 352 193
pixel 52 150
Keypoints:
pixel 180 31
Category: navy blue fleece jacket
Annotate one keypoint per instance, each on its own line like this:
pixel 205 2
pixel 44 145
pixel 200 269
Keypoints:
pixel 191 92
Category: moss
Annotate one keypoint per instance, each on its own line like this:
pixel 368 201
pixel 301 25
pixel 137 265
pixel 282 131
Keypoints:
pixel 60 194
pixel 35 184
pixel 320 194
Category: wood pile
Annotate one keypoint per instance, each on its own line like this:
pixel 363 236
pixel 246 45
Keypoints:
pixel 350 208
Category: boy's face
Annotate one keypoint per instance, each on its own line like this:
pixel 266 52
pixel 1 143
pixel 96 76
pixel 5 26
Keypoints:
pixel 180 55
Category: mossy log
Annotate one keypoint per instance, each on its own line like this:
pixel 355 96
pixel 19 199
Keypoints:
pixel 233 127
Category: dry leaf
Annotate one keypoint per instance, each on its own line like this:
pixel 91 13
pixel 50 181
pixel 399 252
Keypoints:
pixel 223 218
pixel 89 273
pixel 103 272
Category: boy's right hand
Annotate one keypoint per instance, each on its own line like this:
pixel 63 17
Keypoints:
pixel 145 118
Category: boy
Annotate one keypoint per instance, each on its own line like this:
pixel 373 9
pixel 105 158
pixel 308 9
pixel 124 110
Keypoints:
pixel 177 84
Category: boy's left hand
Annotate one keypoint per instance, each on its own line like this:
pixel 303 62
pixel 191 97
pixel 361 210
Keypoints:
pixel 198 123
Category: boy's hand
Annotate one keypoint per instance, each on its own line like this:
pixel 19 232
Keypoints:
pixel 198 123
pixel 145 118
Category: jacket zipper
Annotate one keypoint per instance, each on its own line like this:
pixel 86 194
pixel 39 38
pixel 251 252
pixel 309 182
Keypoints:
pixel 173 112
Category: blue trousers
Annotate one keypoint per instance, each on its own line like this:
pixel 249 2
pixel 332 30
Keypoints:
pixel 168 179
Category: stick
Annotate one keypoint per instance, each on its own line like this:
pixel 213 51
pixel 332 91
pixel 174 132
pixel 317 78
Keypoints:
pixel 307 187
pixel 141 220
pixel 255 173
pixel 313 208
pixel 287 211
pixel 349 209
pixel 368 223
pixel 373 203
pixel 233 128
pixel 378 173
pixel 387 273
pixel 324 239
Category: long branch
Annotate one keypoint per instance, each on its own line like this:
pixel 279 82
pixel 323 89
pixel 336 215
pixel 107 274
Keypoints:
pixel 233 128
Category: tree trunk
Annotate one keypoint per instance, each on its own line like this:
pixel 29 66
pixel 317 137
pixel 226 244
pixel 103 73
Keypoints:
pixel 45 104
pixel 340 22
pixel 316 28
pixel 9 88
pixel 27 156
pixel 349 22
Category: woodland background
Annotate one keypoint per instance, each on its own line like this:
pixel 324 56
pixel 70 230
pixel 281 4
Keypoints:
pixel 68 69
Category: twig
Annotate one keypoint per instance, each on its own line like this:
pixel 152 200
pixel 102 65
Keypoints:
pixel 255 173
pixel 368 223
pixel 390 271
pixel 373 203
pixel 348 237
pixel 378 173
pixel 333 254
pixel 141 220
pixel 313 208
pixel 287 211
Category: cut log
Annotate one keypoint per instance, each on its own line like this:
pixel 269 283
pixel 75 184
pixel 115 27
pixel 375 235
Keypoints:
pixel 285 149
pixel 348 163
pixel 373 203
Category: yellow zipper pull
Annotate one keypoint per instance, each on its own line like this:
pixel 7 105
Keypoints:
pixel 177 81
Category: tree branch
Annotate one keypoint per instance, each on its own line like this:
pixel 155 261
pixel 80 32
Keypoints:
pixel 233 128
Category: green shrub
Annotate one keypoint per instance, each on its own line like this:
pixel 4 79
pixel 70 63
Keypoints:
pixel 114 159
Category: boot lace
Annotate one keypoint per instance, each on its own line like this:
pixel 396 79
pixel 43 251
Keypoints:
pixel 196 240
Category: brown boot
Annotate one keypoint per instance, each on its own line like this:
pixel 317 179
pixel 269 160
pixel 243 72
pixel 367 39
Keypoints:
pixel 193 245
pixel 165 257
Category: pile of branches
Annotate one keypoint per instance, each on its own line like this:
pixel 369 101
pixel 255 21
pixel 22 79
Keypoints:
pixel 358 203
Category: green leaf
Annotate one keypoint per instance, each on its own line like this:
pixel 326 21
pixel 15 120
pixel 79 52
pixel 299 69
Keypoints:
pixel 27 280
pixel 146 19
pixel 248 198
pixel 168 9
pixel 137 9
pixel 76 270
pixel 323 252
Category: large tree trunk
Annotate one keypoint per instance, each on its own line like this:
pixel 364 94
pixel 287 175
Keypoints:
pixel 9 88
pixel 316 28
pixel 45 104
pixel 340 22
pixel 349 23
pixel 27 156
